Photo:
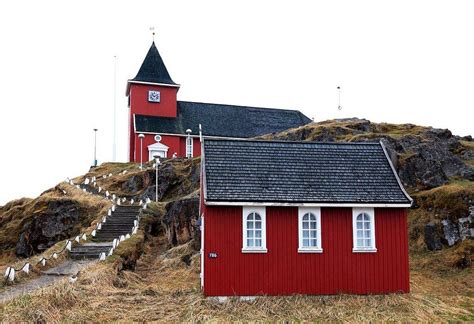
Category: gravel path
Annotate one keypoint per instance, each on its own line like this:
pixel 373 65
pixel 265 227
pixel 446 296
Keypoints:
pixel 60 272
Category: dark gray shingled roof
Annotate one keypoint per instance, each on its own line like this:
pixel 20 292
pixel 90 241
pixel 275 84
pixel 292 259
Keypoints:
pixel 153 69
pixel 299 172
pixel 222 120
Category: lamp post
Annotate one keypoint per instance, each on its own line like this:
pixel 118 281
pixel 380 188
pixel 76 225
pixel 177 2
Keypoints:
pixel 95 146
pixel 141 137
pixel 157 159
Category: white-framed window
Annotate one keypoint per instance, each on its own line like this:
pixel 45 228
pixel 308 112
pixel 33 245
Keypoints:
pixel 254 230
pixel 363 230
pixel 309 230
pixel 189 146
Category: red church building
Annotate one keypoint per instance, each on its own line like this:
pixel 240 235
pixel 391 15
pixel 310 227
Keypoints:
pixel 284 218
pixel 155 110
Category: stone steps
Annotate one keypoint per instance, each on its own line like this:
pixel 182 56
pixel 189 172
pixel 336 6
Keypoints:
pixel 119 223
pixel 89 251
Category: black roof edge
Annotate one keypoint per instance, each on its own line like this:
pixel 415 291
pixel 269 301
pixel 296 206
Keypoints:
pixel 309 202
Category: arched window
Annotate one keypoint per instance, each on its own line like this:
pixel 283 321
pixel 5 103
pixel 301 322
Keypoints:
pixel 253 226
pixel 254 230
pixel 309 230
pixel 309 224
pixel 363 230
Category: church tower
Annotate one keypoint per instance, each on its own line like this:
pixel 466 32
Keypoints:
pixel 151 93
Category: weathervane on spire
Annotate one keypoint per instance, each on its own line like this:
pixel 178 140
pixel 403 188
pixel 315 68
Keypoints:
pixel 152 29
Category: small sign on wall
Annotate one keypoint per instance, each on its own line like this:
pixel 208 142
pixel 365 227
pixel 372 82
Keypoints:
pixel 153 96
pixel 212 255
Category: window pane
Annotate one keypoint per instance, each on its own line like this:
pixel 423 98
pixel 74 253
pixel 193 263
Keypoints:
pixel 250 242
pixel 359 225
pixel 305 242
pixel 257 217
pixel 314 242
pixel 313 234
pixel 313 225
pixel 367 225
pixel 360 242
pixel 312 217
pixel 366 217
pixel 305 217
pixel 305 225
pixel 367 243
pixel 258 225
pixel 250 234
pixel 359 217
pixel 258 234
pixel 367 234
pixel 360 233
pixel 305 234
pixel 250 216
pixel 249 225
pixel 258 242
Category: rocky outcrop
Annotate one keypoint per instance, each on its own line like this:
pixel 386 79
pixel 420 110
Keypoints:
pixel 55 221
pixel 180 219
pixel 449 233
pixel 425 157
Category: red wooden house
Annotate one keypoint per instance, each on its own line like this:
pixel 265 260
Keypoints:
pixel 283 218
pixel 155 110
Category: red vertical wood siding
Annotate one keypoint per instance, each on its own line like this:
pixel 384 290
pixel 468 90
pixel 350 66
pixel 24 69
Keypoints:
pixel 284 271
pixel 176 144
pixel 139 105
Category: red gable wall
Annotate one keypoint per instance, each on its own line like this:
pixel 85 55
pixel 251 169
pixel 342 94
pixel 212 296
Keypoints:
pixel 139 105
pixel 284 271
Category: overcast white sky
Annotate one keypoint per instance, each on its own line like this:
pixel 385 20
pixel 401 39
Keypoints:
pixel 396 61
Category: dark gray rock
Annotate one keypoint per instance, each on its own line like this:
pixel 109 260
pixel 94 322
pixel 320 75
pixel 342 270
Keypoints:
pixel 134 184
pixel 180 219
pixel 432 238
pixel 451 232
pixel 58 221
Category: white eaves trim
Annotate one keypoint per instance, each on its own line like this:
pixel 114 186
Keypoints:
pixel 127 90
pixel 395 173
pixel 289 204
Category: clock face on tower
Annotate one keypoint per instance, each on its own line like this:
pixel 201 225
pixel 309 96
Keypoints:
pixel 153 96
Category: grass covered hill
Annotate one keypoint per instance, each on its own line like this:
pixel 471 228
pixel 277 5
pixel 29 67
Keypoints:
pixel 155 275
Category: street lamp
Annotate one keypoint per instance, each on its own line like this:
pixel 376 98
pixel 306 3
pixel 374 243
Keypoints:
pixel 157 159
pixel 95 146
pixel 141 137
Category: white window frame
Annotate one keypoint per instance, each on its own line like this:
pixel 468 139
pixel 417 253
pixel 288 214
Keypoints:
pixel 309 249
pixel 356 212
pixel 247 210
pixel 189 146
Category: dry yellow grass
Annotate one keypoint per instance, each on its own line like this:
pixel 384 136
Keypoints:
pixel 163 289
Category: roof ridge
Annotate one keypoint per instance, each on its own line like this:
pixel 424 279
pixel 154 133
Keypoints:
pixel 373 143
pixel 238 106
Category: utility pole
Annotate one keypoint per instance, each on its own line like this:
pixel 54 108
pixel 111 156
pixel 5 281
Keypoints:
pixel 114 148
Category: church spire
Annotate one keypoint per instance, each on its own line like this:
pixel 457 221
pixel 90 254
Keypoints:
pixel 153 69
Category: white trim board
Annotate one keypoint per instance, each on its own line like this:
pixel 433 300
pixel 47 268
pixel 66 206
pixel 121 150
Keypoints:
pixel 290 204
pixel 395 173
